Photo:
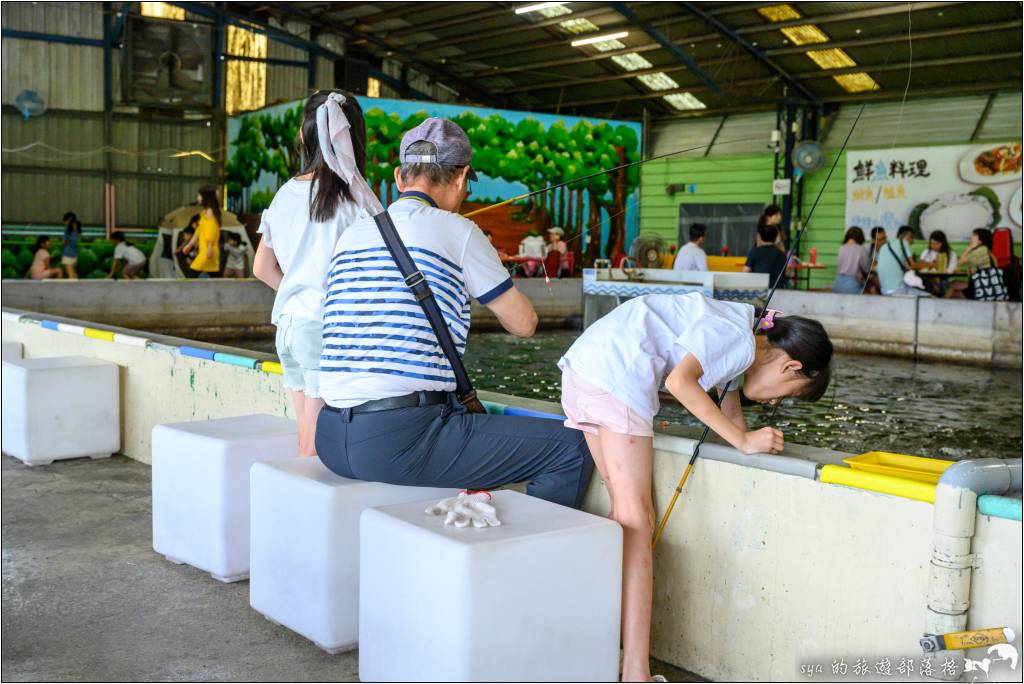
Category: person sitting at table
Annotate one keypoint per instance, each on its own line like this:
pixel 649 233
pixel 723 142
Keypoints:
pixel 897 259
pixel 531 246
pixel 853 264
pixel 977 255
pixel 941 259
pixel 556 253
pixel 765 257
pixel 691 256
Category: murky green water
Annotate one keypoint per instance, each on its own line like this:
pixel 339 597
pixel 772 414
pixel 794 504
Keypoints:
pixel 874 404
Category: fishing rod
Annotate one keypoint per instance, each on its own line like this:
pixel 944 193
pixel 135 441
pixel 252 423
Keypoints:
pixel 794 249
pixel 596 174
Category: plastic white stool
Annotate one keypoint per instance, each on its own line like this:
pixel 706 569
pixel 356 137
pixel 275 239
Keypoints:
pixel 536 599
pixel 304 567
pixel 11 351
pixel 60 407
pixel 201 488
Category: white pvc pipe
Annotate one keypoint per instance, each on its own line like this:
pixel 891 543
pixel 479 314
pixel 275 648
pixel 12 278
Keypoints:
pixel 949 577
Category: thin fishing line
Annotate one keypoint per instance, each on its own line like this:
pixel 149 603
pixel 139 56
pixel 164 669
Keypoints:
pixel 910 72
pixel 764 310
pixel 600 173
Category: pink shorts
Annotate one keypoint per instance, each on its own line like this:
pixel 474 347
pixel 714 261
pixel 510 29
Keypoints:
pixel 588 406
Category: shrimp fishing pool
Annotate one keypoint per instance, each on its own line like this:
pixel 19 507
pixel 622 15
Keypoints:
pixel 874 404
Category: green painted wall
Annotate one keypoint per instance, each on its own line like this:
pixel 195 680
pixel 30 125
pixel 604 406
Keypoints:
pixel 743 179
pixel 749 179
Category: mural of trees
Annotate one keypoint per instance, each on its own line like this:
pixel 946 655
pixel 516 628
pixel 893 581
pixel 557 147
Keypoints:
pixel 524 152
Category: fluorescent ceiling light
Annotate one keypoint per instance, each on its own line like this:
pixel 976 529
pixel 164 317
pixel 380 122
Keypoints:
pixel 856 83
pixel 832 58
pixel 580 25
pixel 805 34
pixel 632 61
pixel 599 39
pixel 778 13
pixel 554 11
pixel 658 81
pixel 684 101
pixel 607 45
pixel 538 7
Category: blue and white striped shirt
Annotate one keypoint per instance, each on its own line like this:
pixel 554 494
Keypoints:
pixel 377 341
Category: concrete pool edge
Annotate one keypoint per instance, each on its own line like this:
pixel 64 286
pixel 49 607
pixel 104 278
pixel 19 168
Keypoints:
pixel 750 556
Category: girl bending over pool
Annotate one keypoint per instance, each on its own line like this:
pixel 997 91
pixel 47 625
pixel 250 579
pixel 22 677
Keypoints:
pixel 690 344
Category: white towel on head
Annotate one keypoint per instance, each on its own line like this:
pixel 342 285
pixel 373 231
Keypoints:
pixel 333 129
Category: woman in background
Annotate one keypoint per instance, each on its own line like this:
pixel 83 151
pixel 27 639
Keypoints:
pixel 977 255
pixel 853 265
pixel 41 269
pixel 207 237
pixel 69 252
pixel 942 258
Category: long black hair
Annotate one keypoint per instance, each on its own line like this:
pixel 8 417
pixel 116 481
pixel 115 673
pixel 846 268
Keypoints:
pixel 40 241
pixel 208 197
pixel 806 341
pixel 985 235
pixel 770 210
pixel 327 190
pixel 72 223
pixel 940 237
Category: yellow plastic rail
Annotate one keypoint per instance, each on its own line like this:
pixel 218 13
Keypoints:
pixel 271 367
pixel 105 335
pixel 886 484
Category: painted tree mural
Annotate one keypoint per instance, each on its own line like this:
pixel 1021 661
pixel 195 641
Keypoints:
pixel 524 152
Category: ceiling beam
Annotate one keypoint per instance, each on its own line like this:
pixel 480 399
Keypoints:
pixel 897 38
pixel 498 71
pixel 759 56
pixel 884 10
pixel 447 23
pixel 473 37
pixel 823 73
pixel 853 43
pixel 661 39
pixel 434 70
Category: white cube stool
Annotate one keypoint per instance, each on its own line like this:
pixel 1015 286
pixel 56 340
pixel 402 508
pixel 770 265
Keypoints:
pixel 304 554
pixel 11 351
pixel 201 488
pixel 536 599
pixel 61 407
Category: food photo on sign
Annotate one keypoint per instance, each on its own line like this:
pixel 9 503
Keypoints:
pixel 953 188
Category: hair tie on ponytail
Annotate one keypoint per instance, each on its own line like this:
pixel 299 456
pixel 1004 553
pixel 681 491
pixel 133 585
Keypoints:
pixel 333 130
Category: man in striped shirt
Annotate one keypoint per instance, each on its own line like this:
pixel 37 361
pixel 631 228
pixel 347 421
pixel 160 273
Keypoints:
pixel 391 413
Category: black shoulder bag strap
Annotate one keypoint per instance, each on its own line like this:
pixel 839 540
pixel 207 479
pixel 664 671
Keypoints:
pixel 415 281
pixel 903 249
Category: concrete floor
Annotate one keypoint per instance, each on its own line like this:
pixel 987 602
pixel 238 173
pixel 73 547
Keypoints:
pixel 86 598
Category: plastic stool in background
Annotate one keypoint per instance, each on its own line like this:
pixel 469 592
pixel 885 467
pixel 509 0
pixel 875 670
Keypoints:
pixel 536 599
pixel 304 569
pixel 11 351
pixel 60 407
pixel 201 488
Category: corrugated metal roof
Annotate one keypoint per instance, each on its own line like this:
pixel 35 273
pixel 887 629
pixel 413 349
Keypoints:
pixel 683 134
pixel 82 19
pixel 745 134
pixel 916 122
pixel 1005 119
pixel 66 76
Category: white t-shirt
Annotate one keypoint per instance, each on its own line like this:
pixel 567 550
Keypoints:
pixel 377 341
pixel 236 257
pixel 303 248
pixel 130 253
pixel 631 351
pixel 930 256
pixel 690 258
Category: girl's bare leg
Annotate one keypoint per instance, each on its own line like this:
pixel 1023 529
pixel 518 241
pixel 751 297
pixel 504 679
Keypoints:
pixel 307 425
pixel 626 464
pixel 299 403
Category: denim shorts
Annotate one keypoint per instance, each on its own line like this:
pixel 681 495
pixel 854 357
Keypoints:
pixel 298 345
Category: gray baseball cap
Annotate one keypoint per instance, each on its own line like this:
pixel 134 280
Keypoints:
pixel 451 145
